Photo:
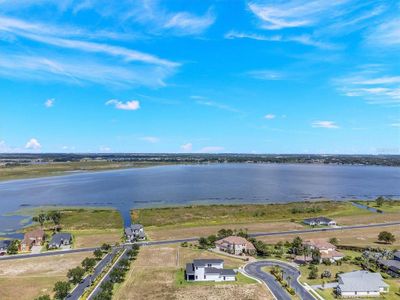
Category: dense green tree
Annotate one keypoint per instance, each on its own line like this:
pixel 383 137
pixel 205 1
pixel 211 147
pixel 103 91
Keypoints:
pixel 124 264
pixel 117 275
pixel 334 241
pixel 313 272
pixel 386 237
pixel 75 275
pixel 88 264
pixel 61 289
pixel 316 256
pixel 379 201
pixel 203 243
pixel 106 247
pixel 98 254
pixel 211 240
pixel 13 247
pixel 55 217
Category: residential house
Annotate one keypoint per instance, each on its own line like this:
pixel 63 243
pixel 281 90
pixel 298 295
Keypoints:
pixel 236 245
pixel 4 244
pixel 392 265
pixel 327 251
pixel 208 270
pixel 319 221
pixel 361 284
pixel 60 240
pixel 32 238
pixel 135 232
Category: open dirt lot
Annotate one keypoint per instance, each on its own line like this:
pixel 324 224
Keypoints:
pixel 152 276
pixel 355 237
pixel 27 278
pixel 94 238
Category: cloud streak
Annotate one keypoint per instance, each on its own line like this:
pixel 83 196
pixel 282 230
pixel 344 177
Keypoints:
pixel 325 124
pixel 128 105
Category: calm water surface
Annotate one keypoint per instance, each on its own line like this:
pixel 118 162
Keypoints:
pixel 201 184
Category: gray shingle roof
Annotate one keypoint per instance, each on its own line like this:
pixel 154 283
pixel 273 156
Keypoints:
pixel 59 237
pixel 204 262
pixel 318 220
pixel 4 244
pixel 136 226
pixel 189 269
pixel 361 281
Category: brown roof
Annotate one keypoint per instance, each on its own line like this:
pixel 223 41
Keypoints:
pixel 319 244
pixel 332 254
pixel 34 234
pixel 237 240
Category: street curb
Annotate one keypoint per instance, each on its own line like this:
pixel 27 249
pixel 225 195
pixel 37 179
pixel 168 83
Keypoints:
pixel 258 280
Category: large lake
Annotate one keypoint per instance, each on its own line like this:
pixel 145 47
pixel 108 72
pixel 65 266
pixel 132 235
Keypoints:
pixel 200 184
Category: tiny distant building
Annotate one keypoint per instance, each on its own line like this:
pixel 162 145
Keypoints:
pixel 4 244
pixel 60 240
pixel 361 284
pixel 319 221
pixel 236 245
pixel 135 232
pixel 208 270
pixel 32 238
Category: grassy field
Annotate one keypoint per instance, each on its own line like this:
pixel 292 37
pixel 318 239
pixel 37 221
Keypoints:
pixel 155 275
pixel 389 206
pixel 90 226
pixel 54 169
pixel 30 277
pixel 192 216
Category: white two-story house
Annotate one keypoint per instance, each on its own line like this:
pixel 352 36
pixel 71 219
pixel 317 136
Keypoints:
pixel 208 270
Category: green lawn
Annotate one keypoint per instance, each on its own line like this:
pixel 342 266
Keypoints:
pixel 240 279
pixel 82 218
pixel 334 269
pixel 200 215
pixel 389 206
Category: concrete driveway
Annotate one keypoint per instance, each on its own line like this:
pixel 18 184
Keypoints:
pixel 254 269
pixel 36 249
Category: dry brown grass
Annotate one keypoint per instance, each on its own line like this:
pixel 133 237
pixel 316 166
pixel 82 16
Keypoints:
pixel 166 233
pixel 29 277
pixel 368 219
pixel 355 237
pixel 152 276
pixel 94 238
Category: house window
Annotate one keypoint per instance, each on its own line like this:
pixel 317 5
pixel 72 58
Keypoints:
pixel 197 277
pixel 209 265
pixel 197 268
pixel 205 277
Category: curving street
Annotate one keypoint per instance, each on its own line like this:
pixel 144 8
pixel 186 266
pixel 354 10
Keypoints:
pixel 254 269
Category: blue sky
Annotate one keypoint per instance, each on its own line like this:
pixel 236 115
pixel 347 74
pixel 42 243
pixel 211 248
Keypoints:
pixel 306 76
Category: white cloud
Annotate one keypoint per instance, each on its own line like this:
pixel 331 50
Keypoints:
pixel 33 144
pixel 150 139
pixel 161 21
pixel 300 13
pixel 188 147
pixel 186 23
pixel 304 39
pixel 128 105
pixel 374 83
pixel 269 116
pixel 395 124
pixel 211 149
pixel 324 124
pixel 3 147
pixel 387 34
pixel 49 102
pixel 115 65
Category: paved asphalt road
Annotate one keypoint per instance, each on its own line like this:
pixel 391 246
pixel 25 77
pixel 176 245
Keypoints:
pixel 49 253
pixel 80 289
pixel 254 269
pixel 107 277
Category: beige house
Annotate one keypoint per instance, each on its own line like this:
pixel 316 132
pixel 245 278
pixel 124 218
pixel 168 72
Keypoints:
pixel 236 245
pixel 32 238
pixel 327 250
